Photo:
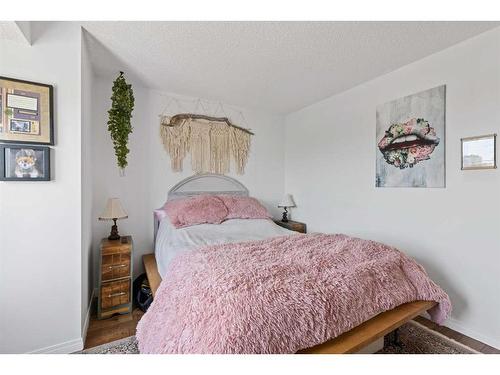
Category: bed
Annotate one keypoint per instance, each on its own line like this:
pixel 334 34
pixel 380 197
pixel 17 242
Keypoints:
pixel 366 337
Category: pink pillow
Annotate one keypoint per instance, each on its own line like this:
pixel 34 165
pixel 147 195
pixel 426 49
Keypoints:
pixel 244 207
pixel 195 210
pixel 160 214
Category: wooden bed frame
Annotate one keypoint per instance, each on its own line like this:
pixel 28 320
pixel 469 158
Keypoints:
pixel 349 342
pixel 352 341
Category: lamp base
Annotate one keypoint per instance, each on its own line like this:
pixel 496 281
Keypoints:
pixel 284 219
pixel 114 232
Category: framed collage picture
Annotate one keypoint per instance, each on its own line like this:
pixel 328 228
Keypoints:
pixel 24 163
pixel 26 112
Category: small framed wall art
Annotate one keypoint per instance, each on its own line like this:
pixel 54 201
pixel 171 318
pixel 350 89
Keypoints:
pixel 24 163
pixel 479 152
pixel 26 112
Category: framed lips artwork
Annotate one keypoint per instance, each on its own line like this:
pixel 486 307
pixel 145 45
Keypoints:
pixel 410 140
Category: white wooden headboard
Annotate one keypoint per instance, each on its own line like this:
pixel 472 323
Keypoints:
pixel 207 183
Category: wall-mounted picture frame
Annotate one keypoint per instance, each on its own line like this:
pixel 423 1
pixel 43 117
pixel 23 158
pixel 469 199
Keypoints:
pixel 26 112
pixel 411 138
pixel 24 163
pixel 479 152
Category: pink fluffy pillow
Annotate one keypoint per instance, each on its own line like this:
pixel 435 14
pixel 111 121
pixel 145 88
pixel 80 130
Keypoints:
pixel 195 210
pixel 244 207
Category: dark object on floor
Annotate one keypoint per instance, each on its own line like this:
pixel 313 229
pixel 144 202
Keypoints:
pixel 392 339
pixel 142 293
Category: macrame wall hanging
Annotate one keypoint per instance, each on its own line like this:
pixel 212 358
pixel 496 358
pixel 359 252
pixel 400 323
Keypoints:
pixel 212 142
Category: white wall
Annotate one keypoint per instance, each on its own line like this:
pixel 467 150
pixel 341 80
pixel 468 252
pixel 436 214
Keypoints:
pixel 40 222
pixel 454 232
pixel 148 176
pixel 87 83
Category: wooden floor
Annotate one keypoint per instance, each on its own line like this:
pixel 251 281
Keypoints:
pixel 121 326
pixel 111 329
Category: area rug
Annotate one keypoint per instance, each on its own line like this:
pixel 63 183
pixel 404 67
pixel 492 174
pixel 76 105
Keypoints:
pixel 414 339
pixel 127 345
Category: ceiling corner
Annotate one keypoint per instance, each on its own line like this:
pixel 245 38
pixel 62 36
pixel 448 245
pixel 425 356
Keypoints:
pixel 25 29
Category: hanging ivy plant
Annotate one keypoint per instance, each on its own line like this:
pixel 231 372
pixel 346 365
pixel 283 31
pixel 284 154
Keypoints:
pixel 122 105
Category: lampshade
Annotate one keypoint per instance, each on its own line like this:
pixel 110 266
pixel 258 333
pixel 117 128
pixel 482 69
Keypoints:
pixel 287 201
pixel 113 210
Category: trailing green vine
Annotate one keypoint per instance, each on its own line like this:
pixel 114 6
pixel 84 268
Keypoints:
pixel 120 113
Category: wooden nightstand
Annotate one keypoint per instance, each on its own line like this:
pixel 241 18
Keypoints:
pixel 115 277
pixel 293 225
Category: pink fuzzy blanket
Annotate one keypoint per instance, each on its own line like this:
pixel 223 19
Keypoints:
pixel 280 295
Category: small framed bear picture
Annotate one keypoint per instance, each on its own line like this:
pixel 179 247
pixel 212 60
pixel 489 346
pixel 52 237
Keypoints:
pixel 24 163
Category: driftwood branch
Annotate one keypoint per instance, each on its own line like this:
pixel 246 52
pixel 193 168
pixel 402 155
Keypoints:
pixel 177 119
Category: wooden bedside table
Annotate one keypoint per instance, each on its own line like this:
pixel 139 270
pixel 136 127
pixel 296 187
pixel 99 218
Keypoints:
pixel 292 225
pixel 115 277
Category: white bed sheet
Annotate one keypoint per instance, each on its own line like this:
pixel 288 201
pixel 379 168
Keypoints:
pixel 171 241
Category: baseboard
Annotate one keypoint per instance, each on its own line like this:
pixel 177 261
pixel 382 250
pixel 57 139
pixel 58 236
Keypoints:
pixel 87 317
pixel 457 326
pixel 71 346
pixel 67 347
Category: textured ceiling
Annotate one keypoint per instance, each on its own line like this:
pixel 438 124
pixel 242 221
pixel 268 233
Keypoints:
pixel 275 66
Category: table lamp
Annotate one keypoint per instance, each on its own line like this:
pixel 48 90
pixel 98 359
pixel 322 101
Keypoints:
pixel 286 203
pixel 113 211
